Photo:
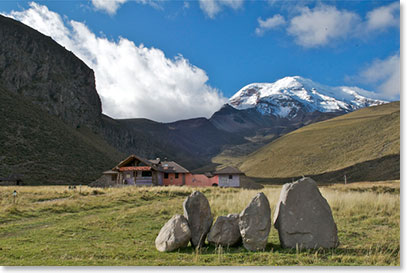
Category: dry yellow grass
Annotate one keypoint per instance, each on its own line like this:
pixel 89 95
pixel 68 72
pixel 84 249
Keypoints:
pixel 118 226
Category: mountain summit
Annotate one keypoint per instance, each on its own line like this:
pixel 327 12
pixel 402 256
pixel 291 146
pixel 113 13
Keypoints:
pixel 287 96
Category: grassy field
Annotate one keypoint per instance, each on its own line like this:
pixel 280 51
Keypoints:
pixel 88 226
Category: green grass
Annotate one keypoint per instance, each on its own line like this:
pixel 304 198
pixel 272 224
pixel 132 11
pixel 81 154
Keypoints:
pixel 370 135
pixel 57 226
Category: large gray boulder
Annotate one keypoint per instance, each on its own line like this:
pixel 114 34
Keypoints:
pixel 303 217
pixel 174 234
pixel 255 223
pixel 198 213
pixel 225 231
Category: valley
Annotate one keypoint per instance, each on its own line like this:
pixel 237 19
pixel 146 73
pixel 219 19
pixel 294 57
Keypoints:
pixel 51 93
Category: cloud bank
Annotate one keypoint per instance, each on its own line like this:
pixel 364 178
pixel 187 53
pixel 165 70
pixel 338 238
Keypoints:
pixel 324 24
pixel 132 81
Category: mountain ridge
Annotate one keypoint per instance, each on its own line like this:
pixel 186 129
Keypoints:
pixel 288 95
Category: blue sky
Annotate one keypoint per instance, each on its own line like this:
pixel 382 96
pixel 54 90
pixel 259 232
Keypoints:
pixel 187 57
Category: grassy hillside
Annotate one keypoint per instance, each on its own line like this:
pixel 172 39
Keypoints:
pixel 45 150
pixel 118 226
pixel 365 143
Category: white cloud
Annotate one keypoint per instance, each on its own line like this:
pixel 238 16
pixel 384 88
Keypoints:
pixel 133 81
pixel 385 74
pixel 321 25
pixel 111 6
pixel 270 23
pixel 325 24
pixel 383 17
pixel 213 7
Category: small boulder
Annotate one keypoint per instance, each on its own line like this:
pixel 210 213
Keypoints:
pixel 255 223
pixel 225 231
pixel 198 213
pixel 174 234
pixel 303 217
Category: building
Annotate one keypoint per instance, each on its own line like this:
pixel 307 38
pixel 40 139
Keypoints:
pixel 228 177
pixel 138 171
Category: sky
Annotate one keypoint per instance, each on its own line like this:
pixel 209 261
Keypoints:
pixel 172 60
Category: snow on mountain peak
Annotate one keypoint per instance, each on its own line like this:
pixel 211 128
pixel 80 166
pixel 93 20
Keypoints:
pixel 287 96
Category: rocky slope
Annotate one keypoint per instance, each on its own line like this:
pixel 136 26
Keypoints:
pixel 35 66
pixel 44 150
pixel 192 143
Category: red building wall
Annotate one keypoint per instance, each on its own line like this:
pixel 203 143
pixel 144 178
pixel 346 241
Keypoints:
pixel 201 180
pixel 193 180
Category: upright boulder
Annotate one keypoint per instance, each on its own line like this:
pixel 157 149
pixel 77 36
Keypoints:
pixel 225 231
pixel 173 235
pixel 303 217
pixel 255 223
pixel 198 213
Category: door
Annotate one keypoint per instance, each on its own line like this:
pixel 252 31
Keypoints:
pixel 183 179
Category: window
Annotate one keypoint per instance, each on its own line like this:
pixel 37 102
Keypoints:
pixel 166 175
pixel 146 173
pixel 230 176
pixel 176 176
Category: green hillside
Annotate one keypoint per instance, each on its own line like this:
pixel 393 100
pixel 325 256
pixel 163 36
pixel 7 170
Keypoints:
pixel 45 150
pixel 364 145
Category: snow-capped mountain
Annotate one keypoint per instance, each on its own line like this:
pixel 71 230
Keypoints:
pixel 287 96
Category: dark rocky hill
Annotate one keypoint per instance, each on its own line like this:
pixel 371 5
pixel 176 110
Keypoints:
pixel 35 66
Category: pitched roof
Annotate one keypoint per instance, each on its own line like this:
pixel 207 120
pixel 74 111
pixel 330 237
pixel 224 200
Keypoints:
pixel 228 170
pixel 173 167
pixel 164 166
pixel 130 159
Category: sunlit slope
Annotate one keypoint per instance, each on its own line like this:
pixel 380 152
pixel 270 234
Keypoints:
pixel 365 135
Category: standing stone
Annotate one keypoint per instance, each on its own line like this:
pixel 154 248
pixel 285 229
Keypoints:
pixel 198 213
pixel 225 231
pixel 255 223
pixel 174 234
pixel 303 217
